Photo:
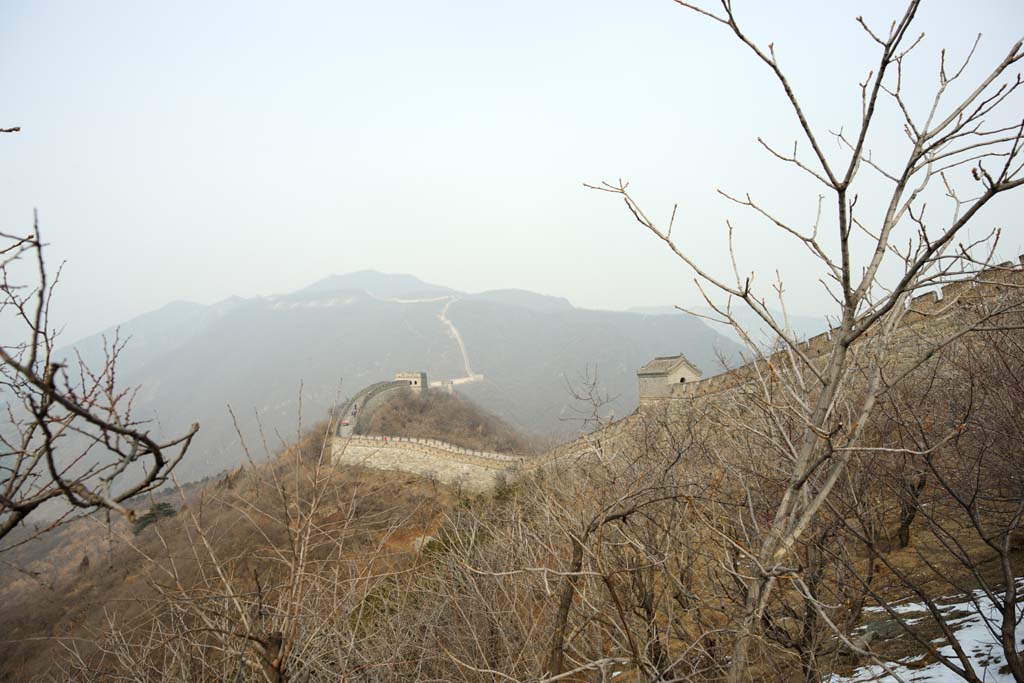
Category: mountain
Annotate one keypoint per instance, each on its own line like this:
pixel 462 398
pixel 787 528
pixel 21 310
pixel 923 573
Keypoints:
pixel 531 358
pixel 524 299
pixel 346 331
pixel 380 285
pixel 153 334
pixel 804 326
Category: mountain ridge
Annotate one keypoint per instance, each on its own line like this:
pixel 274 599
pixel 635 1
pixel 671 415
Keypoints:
pixel 192 361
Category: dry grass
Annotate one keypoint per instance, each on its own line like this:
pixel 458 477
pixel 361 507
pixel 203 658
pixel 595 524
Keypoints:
pixel 242 515
pixel 655 584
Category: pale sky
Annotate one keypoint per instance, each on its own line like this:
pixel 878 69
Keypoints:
pixel 197 150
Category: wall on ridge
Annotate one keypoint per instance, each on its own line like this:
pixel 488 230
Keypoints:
pixel 372 395
pixel 929 319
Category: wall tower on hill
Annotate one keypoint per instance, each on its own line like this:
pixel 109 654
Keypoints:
pixel 663 376
pixel 417 380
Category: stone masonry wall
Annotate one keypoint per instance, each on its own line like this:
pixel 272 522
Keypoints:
pixel 472 469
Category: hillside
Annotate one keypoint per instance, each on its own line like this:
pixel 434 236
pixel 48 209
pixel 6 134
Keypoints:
pixel 342 571
pixel 342 333
pixel 75 583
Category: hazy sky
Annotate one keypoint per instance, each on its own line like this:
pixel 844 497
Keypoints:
pixel 196 150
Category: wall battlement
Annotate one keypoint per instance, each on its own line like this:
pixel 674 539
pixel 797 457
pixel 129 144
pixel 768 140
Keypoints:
pixel 464 467
pixel 436 444
pixel 452 464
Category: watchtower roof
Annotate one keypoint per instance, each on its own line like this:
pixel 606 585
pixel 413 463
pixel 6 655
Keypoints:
pixel 665 365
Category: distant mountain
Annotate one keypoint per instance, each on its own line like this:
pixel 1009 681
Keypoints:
pixel 346 331
pixel 524 299
pixel 655 310
pixel 380 285
pixel 803 326
pixel 530 358
pixel 152 334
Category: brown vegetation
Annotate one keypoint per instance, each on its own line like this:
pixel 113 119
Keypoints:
pixel 739 536
pixel 962 147
pixel 627 558
pixel 247 541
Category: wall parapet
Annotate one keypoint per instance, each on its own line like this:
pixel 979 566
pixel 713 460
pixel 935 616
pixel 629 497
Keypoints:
pixel 435 444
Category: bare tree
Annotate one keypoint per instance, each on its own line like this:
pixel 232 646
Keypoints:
pixel 968 519
pixel 975 140
pixel 70 434
pixel 285 571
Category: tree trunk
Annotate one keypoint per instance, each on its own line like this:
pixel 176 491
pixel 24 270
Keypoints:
pixel 908 508
pixel 556 656
pixel 739 661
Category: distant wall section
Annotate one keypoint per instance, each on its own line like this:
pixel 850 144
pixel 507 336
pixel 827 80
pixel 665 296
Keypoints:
pixel 371 397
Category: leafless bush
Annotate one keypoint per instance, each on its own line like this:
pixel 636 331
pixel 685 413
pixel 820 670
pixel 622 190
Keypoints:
pixel 970 148
pixel 957 429
pixel 70 435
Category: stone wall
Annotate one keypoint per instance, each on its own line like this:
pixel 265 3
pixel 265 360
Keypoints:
pixel 367 400
pixel 371 397
pixel 416 380
pixel 466 467
pixel 654 387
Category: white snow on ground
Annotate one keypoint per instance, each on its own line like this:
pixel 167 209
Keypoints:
pixel 968 618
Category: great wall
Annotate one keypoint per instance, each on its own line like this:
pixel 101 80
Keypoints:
pixel 447 462
pixel 471 469
pixel 929 317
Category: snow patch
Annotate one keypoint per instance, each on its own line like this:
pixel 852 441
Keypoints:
pixel 975 621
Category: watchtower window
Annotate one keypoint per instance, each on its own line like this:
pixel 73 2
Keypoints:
pixel 682 380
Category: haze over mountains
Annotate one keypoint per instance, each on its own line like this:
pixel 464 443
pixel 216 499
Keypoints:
pixel 802 326
pixel 346 331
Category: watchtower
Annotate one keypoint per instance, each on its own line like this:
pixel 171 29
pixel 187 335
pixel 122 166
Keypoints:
pixel 665 375
pixel 417 380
